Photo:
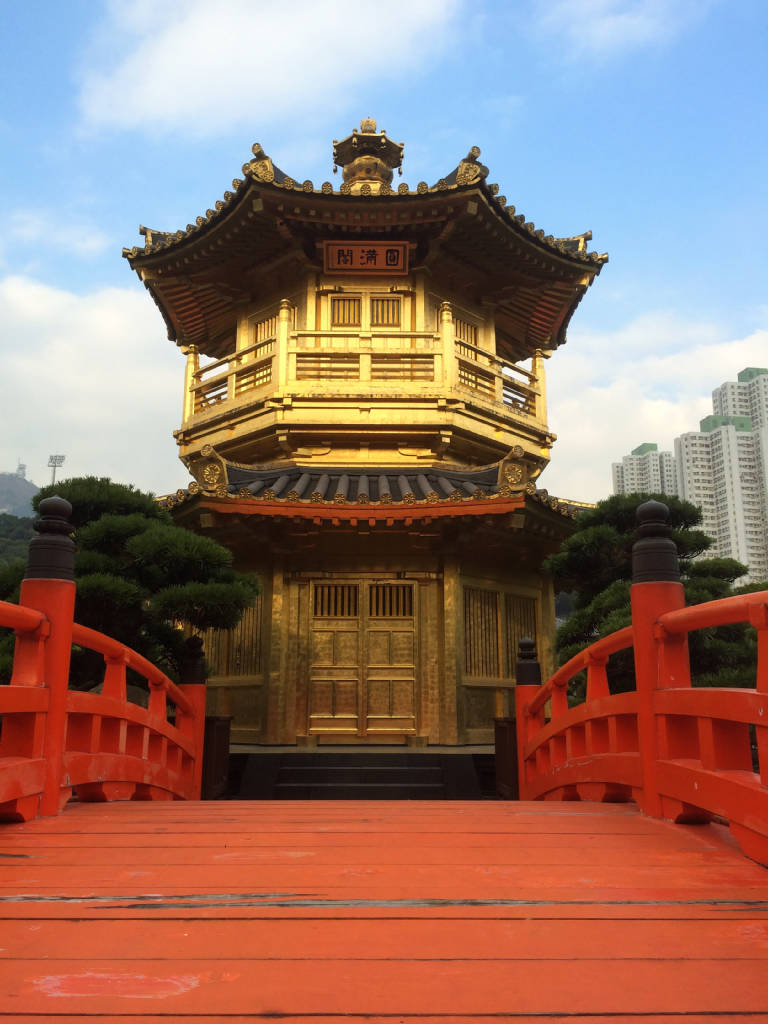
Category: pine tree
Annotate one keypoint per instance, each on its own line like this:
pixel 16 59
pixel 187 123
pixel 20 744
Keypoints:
pixel 595 567
pixel 140 578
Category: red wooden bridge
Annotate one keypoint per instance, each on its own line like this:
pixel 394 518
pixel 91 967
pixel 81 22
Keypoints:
pixel 618 888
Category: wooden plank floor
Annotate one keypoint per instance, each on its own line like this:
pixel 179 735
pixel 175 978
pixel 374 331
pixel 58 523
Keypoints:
pixel 351 911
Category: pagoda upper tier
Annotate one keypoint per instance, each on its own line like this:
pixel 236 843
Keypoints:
pixel 406 323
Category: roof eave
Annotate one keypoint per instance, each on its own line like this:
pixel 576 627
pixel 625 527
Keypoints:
pixel 523 230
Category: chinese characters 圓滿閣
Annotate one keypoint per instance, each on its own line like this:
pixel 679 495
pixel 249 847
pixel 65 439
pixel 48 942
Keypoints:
pixel 366 257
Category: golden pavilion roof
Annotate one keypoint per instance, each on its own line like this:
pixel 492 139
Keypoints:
pixel 270 226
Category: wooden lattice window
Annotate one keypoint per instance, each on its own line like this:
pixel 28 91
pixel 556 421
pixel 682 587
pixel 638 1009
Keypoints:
pixel 236 652
pixel 464 331
pixel 482 636
pixel 390 600
pixel 335 601
pixel 520 615
pixel 385 312
pixel 345 311
pixel 327 367
pixel 266 329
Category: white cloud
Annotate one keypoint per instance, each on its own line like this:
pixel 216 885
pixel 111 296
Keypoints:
pixel 650 381
pixel 90 376
pixel 201 67
pixel 50 229
pixel 607 28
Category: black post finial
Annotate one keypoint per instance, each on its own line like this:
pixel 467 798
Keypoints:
pixel 527 670
pixel 654 553
pixel 52 553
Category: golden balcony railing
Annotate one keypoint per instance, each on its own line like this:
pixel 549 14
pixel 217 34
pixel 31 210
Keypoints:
pixel 380 356
pixel 495 379
pixel 376 340
pixel 302 360
pixel 233 375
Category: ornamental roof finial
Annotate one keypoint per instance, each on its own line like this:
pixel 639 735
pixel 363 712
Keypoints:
pixel 367 157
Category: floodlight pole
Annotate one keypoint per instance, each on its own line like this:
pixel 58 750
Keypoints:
pixel 54 461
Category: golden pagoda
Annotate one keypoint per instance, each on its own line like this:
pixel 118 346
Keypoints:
pixel 365 420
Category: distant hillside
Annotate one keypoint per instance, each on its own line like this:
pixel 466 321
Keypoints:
pixel 15 535
pixel 16 495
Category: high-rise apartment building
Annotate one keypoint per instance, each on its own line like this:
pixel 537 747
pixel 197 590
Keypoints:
pixel 747 396
pixel 645 469
pixel 723 468
pixel 720 472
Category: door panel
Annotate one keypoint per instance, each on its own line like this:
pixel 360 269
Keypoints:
pixel 363 660
pixel 402 697
pixel 390 663
pixel 378 698
pixel 334 678
pixel 402 644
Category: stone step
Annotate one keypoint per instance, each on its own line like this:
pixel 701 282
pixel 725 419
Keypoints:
pixel 360 791
pixel 362 758
pixel 356 775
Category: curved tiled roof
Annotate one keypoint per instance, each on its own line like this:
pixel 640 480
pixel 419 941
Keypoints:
pixel 369 485
pixel 466 176
pixel 271 228
pixel 386 484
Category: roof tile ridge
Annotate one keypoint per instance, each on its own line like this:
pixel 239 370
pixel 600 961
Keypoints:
pixel 171 238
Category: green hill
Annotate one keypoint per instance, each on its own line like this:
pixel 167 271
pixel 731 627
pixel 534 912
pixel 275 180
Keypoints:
pixel 15 535
pixel 16 494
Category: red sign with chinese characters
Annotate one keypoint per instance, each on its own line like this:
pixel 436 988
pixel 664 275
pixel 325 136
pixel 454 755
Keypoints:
pixel 365 257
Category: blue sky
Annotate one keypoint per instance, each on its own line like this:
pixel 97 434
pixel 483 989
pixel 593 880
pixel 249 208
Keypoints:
pixel 643 120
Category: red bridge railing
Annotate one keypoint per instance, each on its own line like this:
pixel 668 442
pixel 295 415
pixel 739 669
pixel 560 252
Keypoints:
pixel 680 752
pixel 100 746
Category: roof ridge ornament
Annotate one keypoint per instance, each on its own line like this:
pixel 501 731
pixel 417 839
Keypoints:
pixel 576 243
pixel 261 167
pixel 367 157
pixel 470 170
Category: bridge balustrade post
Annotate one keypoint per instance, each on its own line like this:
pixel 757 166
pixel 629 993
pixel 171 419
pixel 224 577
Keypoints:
pixel 49 586
pixel 656 589
pixel 527 683
pixel 192 685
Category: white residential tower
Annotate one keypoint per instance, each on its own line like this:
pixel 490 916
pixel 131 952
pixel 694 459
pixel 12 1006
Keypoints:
pixel 722 467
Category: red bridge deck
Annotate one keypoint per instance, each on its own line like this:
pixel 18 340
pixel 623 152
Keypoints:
pixel 378 911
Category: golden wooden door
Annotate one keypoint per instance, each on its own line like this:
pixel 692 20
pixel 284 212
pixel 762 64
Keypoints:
pixel 389 681
pixel 362 677
pixel 334 674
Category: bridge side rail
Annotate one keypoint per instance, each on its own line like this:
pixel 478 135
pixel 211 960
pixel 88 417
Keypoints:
pixel 23 707
pixel 101 746
pixel 680 752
